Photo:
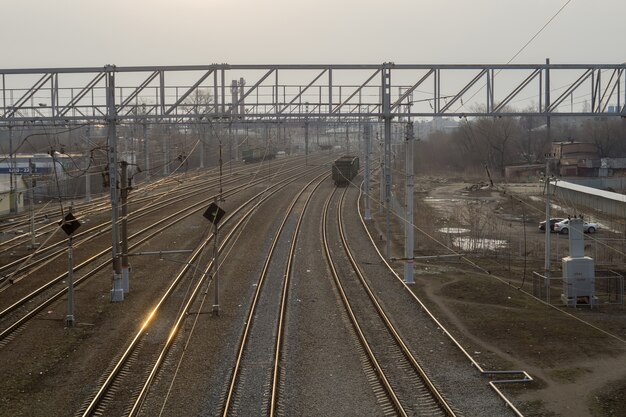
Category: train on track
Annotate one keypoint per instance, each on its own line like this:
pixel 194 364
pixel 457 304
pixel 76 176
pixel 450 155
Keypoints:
pixel 258 154
pixel 345 169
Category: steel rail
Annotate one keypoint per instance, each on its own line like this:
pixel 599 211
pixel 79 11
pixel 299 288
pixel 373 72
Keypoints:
pixel 98 204
pixel 87 235
pixel 284 295
pixel 94 206
pixel 105 227
pixel 248 325
pixel 91 408
pixel 525 377
pixel 358 330
pixel 252 310
pixel 390 327
pixel 32 313
pixel 187 191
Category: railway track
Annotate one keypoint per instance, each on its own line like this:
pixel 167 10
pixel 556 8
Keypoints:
pixel 498 377
pixel 408 391
pixel 98 203
pixel 155 201
pixel 102 400
pixel 259 351
pixel 41 297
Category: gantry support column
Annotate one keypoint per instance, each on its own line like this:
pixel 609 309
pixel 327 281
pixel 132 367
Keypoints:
pixel 548 245
pixel 367 133
pixel 124 227
pixel 13 206
pixel 146 150
pixel 387 117
pixel 117 290
pixel 306 140
pixel 409 231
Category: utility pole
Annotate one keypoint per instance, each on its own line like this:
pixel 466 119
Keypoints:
pixel 69 318
pixel 409 232
pixel 146 152
pixel 387 117
pixel 31 198
pixel 214 214
pixel 166 149
pixel 306 133
pixel 12 175
pixel 367 133
pixel 216 269
pixel 381 157
pixel 87 164
pixel 347 139
pixel 234 89
pixel 306 136
pixel 124 227
pixel 87 182
pixel 117 291
pixel 548 247
pixel 69 224
pixel 230 147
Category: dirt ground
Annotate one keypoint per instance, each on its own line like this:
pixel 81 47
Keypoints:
pixel 487 299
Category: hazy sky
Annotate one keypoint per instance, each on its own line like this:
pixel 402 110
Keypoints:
pixel 59 33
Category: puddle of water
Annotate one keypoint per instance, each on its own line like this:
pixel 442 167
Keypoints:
pixel 454 230
pixel 470 244
pixel 441 200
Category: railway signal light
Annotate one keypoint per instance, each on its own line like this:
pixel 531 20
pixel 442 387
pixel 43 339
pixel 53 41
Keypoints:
pixel 214 213
pixel 69 224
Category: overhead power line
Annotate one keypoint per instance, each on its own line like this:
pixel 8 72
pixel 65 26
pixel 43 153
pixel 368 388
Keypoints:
pixel 539 31
pixel 522 48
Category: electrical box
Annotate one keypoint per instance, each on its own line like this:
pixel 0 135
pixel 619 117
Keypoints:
pixel 578 281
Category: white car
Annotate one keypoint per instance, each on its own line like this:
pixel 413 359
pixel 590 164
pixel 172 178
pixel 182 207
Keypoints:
pixel 563 227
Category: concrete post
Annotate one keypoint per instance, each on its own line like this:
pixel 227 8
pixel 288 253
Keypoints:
pixel 548 247
pixel 216 269
pixel 117 291
pixel 368 142
pixel 166 150
pixel 381 156
pixel 306 141
pixel 124 227
pixel 31 198
pixel 146 149
pixel 409 231
pixel 387 116
pixel 13 207
pixel 69 319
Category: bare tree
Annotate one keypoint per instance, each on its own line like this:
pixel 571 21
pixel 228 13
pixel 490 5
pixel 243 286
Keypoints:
pixel 494 136
pixel 606 134
pixel 532 140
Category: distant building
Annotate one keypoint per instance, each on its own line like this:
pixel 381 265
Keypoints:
pixel 610 167
pixel 5 196
pixel 51 177
pixel 576 159
pixel 524 171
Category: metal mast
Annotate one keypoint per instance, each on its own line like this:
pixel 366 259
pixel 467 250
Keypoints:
pixel 117 289
pixel 387 116
pixel 409 232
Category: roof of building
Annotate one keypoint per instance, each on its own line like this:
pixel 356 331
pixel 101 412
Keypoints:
pixel 590 190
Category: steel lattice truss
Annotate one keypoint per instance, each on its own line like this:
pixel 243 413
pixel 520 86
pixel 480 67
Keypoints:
pixel 181 94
